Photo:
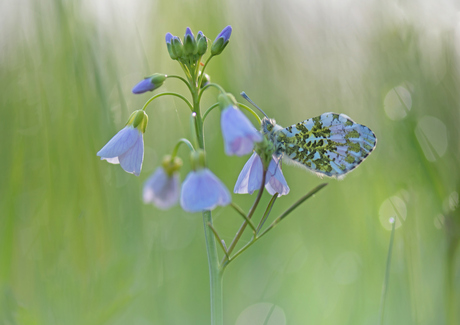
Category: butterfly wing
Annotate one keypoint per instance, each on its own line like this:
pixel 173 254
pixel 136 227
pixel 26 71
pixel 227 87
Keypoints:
pixel 330 144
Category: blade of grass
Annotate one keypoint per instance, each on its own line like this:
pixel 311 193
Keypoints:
pixel 387 273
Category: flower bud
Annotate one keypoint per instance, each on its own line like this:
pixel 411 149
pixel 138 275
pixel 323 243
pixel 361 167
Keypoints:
pixel 138 119
pixel 201 44
pixel 221 41
pixel 198 159
pixel 226 100
pixel 206 79
pixel 168 39
pixel 170 165
pixel 149 83
pixel 177 47
pixel 189 43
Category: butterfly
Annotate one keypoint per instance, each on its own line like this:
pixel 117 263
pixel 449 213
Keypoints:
pixel 328 145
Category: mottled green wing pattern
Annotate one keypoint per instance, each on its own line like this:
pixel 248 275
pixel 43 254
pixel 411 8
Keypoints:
pixel 330 144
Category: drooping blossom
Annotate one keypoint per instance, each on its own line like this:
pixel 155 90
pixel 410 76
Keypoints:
pixel 202 190
pixel 127 146
pixel 162 189
pixel 238 132
pixel 251 175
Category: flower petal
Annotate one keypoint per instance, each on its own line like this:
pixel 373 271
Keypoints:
pixel 250 177
pixel 143 86
pixel 131 161
pixel 238 132
pixel 275 181
pixel 202 190
pixel 162 190
pixel 120 143
pixel 113 160
pixel 225 33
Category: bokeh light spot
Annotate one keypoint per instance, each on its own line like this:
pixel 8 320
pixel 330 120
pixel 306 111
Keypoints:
pixel 393 207
pixel 261 314
pixel 397 103
pixel 432 135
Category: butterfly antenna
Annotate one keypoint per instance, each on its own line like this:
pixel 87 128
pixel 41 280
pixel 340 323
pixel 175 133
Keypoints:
pixel 243 94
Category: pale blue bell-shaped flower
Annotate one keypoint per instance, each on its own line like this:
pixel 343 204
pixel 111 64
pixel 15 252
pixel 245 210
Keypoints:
pixel 125 148
pixel 202 190
pixel 275 181
pixel 238 132
pixel 161 189
pixel 251 176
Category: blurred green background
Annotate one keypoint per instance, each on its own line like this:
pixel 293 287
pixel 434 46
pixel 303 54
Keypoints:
pixel 78 246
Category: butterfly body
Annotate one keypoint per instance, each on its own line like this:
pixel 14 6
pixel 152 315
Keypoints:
pixel 330 144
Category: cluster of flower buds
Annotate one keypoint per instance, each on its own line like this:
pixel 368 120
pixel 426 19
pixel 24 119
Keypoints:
pixel 192 49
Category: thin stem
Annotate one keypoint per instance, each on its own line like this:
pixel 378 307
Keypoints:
pixel 194 130
pixel 215 273
pixel 219 87
pixel 241 213
pixel 243 226
pixel 218 238
pixel 387 274
pixel 180 78
pixel 202 71
pixel 267 212
pixel 250 111
pixel 170 94
pixel 293 207
pixel 176 147
pixel 186 71
pixel 209 110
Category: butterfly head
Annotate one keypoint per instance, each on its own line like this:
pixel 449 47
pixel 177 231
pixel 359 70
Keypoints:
pixel 267 125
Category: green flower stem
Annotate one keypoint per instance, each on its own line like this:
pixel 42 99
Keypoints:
pixel 176 148
pixel 277 220
pixel 241 213
pixel 202 71
pixel 267 212
pixel 170 94
pixel 250 111
pixel 293 207
pixel 219 240
pixel 180 78
pixel 186 71
pixel 238 235
pixel 215 272
pixel 222 90
pixel 209 110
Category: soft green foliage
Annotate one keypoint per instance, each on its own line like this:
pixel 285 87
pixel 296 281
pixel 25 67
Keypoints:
pixel 77 246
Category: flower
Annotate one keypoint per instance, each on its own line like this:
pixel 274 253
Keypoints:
pixel 127 146
pixel 251 176
pixel 161 189
pixel 149 83
pixel 202 190
pixel 221 41
pixel 238 133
